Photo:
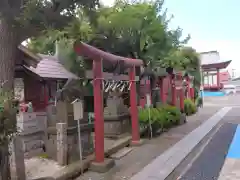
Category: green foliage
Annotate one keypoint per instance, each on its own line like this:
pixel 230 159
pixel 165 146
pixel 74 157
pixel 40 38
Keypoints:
pixel 173 113
pixel 143 33
pixel 136 30
pixel 7 117
pixel 162 117
pixel 143 115
pixel 189 107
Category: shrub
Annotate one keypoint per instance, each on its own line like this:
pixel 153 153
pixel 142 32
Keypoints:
pixel 189 107
pixel 143 116
pixel 173 114
pixel 161 118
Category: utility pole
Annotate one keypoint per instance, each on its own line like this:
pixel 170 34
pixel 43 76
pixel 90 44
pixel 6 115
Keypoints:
pixel 233 73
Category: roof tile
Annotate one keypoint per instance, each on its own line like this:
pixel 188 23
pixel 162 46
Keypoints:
pixel 50 67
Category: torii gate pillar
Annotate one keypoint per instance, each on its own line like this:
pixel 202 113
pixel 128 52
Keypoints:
pixel 133 108
pixel 98 111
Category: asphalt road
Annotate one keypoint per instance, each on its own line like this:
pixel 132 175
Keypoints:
pixel 208 164
pixel 207 159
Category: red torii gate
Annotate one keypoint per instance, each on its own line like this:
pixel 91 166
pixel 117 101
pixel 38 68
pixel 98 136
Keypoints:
pixel 98 56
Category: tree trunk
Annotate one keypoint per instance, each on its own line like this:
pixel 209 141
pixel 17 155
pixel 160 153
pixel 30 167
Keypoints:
pixel 4 163
pixel 9 41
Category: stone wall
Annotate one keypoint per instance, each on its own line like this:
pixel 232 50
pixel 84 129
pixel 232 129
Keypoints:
pixel 72 142
pixel 32 128
pixel 116 118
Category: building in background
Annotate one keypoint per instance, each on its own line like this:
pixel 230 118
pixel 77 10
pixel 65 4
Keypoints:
pixel 213 70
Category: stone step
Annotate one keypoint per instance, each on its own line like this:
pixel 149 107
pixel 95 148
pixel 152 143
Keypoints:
pixel 121 153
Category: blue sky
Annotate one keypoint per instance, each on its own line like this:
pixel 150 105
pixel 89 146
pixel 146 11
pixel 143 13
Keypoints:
pixel 212 24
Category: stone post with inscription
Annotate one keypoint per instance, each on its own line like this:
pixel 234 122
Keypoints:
pixel 17 159
pixel 61 143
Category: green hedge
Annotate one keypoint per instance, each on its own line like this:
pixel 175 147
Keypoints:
pixel 162 117
pixel 189 107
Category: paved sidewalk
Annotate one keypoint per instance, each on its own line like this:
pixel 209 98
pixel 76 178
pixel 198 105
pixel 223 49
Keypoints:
pixel 141 156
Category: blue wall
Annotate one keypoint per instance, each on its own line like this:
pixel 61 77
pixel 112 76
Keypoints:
pixel 213 93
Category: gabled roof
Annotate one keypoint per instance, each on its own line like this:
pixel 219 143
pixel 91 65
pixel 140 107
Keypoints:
pixel 217 65
pixel 51 68
pixel 211 61
pixel 29 53
pixel 34 58
pixel 47 66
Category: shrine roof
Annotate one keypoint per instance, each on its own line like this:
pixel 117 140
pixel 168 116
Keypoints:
pixel 32 60
pixel 216 65
pixel 211 61
pixel 50 67
pixel 43 66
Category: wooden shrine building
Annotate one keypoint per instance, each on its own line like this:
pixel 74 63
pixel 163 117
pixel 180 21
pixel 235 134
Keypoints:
pixel 211 66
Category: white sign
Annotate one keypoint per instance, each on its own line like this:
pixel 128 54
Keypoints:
pixel 148 100
pixel 77 109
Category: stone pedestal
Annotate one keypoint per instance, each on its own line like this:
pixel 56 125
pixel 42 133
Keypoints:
pixel 32 128
pixel 73 142
pixel 183 119
pixel 116 118
pixel 102 167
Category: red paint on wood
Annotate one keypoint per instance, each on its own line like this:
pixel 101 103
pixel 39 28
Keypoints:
pixel 181 99
pixel 162 90
pixel 98 111
pixel 91 52
pixel 34 92
pixel 133 103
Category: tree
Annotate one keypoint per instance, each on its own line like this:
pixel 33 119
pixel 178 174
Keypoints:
pixel 20 20
pixel 23 19
pixel 143 32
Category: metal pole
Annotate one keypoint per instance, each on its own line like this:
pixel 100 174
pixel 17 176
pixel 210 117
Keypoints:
pixel 201 88
pixel 80 146
pixel 149 112
pixel 150 125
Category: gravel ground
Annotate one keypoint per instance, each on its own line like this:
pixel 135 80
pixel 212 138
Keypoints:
pixel 37 167
pixel 40 167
